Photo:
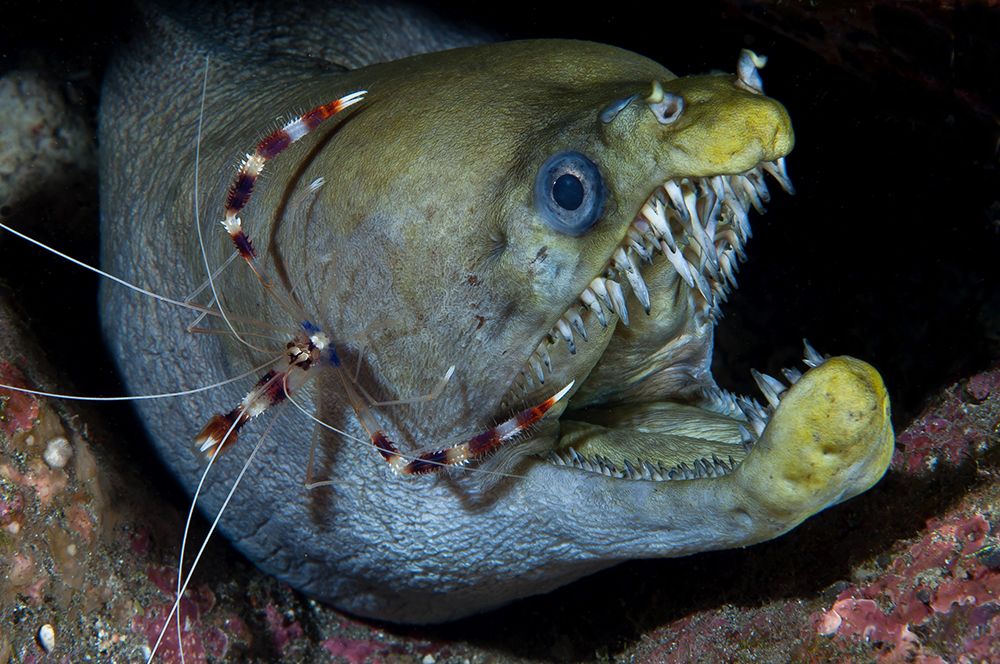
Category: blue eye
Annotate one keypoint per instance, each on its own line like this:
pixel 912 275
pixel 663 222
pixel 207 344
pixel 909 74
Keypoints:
pixel 570 193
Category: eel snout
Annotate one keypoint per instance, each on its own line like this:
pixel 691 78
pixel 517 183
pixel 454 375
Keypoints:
pixel 829 439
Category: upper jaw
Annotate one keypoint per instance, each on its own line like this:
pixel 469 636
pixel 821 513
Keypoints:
pixel 698 226
pixel 678 259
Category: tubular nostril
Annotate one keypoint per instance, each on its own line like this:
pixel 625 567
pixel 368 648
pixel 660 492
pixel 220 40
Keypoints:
pixel 665 106
pixel 747 74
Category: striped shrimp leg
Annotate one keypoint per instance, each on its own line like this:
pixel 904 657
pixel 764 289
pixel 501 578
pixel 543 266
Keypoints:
pixel 253 164
pixel 477 447
pixel 271 389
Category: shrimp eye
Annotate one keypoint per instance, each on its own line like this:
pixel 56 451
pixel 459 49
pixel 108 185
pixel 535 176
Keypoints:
pixel 570 193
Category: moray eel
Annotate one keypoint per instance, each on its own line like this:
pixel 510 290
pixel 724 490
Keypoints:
pixel 510 209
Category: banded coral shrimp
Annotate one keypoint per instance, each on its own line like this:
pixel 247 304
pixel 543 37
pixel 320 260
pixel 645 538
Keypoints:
pixel 309 347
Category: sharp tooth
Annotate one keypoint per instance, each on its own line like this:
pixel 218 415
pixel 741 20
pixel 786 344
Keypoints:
pixel 590 301
pixel 721 292
pixel 743 228
pixel 791 374
pixel 638 284
pixel 708 258
pixel 543 353
pixel 700 282
pixel 630 471
pixel 701 236
pixel 753 409
pixel 718 186
pixel 643 230
pixel 729 236
pixel 691 204
pixel 729 268
pixel 525 379
pixel 812 357
pixel 567 335
pixel 637 241
pixel 740 220
pixel 617 299
pixel 756 177
pixel 537 366
pixel 641 226
pixel 601 290
pixel 676 198
pixel 777 170
pixel 656 215
pixel 704 288
pixel 711 206
pixel 575 320
pixel 751 193
pixel 709 468
pixel 726 183
pixel 770 386
pixel 653 473
pixel 621 262
pixel 677 260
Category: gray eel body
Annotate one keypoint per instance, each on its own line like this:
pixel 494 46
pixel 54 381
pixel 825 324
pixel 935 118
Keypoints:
pixel 426 211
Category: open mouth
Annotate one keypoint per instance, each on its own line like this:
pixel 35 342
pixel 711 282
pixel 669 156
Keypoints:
pixel 682 252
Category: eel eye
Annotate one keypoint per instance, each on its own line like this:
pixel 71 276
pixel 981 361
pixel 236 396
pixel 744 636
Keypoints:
pixel 570 193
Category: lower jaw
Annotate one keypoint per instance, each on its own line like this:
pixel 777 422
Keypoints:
pixel 671 440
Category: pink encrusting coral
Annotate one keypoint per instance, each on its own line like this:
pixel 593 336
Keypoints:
pixel 199 638
pixel 19 410
pixel 950 433
pixel 925 583
pixel 353 651
pixel 283 631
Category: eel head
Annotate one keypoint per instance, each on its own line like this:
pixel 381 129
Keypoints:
pixel 547 212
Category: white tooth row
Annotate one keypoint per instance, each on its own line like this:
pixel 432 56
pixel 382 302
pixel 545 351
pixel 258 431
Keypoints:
pixel 747 408
pixel 716 400
pixel 708 215
pixel 643 470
